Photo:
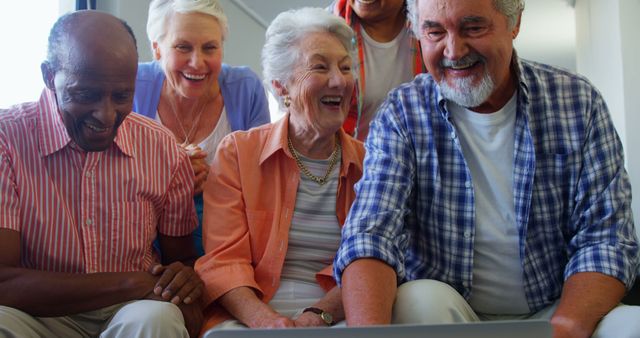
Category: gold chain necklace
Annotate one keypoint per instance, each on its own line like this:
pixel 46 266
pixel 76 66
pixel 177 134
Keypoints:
pixel 333 160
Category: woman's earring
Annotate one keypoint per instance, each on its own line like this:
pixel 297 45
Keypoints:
pixel 287 101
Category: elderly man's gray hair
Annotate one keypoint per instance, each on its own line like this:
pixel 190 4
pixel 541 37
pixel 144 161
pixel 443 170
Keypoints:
pixel 281 48
pixel 160 12
pixel 509 8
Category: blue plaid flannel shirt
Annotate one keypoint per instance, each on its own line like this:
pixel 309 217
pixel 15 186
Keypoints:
pixel 415 204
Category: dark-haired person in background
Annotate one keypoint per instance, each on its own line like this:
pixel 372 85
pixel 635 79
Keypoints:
pixel 388 54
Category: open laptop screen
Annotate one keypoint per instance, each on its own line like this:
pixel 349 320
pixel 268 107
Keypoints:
pixel 489 329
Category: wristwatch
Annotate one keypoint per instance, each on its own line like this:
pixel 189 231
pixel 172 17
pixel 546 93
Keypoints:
pixel 326 317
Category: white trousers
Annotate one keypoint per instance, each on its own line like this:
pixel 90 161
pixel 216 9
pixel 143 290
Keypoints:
pixel 142 318
pixel 433 302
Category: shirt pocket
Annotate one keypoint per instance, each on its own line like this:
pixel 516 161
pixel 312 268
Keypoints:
pixel 132 234
pixel 259 223
pixel 554 189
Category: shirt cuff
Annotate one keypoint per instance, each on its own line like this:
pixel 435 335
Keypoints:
pixel 365 245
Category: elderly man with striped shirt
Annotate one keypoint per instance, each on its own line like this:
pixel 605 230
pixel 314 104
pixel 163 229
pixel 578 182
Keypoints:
pixel 85 188
pixel 493 188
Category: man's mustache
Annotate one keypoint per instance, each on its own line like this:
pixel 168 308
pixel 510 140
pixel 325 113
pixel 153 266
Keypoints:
pixel 464 62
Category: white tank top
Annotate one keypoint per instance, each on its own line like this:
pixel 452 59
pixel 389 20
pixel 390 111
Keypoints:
pixel 211 142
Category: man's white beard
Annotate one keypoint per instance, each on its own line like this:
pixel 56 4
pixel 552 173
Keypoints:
pixel 465 93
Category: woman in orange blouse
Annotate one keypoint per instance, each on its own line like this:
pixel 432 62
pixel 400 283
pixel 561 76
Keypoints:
pixel 277 195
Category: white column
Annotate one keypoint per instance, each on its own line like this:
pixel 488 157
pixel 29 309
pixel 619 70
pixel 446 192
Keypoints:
pixel 629 10
pixel 607 52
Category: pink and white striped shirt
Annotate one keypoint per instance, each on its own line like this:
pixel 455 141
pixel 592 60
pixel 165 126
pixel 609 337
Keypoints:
pixel 85 212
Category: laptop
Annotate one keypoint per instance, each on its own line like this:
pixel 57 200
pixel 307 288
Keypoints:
pixel 489 329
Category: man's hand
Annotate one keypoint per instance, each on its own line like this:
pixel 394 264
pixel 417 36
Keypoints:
pixel 178 283
pixel 200 167
pixel 565 328
pixel 586 298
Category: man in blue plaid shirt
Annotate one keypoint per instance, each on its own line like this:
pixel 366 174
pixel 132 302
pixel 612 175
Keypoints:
pixel 494 188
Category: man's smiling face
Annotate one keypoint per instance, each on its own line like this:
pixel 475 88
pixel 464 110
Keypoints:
pixel 467 47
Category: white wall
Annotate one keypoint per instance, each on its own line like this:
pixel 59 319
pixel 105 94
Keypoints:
pixel 66 6
pixel 607 52
pixel 135 14
pixel 245 40
pixel 548 33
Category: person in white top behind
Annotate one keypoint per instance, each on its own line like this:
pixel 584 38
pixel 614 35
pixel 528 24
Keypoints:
pixel 388 55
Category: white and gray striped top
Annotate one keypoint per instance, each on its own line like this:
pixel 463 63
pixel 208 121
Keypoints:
pixel 314 236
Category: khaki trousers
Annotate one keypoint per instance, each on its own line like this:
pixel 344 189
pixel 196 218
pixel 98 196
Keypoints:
pixel 142 318
pixel 415 304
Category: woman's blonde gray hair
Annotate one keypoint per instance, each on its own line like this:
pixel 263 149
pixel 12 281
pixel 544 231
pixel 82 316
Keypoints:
pixel 160 12
pixel 281 49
